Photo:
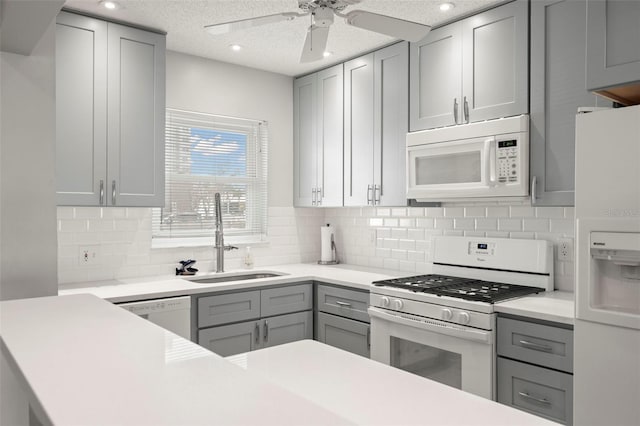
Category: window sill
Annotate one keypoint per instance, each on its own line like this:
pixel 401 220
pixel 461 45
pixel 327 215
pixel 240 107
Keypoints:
pixel 164 243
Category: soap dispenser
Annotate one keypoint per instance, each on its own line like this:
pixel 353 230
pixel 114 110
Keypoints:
pixel 248 258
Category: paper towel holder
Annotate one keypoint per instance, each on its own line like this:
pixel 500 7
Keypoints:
pixel 334 255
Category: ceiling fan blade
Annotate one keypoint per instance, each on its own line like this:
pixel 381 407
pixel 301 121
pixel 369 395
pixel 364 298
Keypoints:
pixel 227 27
pixel 315 44
pixel 394 27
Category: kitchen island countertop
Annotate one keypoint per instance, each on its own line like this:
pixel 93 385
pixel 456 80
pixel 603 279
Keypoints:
pixel 82 360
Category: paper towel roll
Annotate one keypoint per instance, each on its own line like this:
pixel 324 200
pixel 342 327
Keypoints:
pixel 326 234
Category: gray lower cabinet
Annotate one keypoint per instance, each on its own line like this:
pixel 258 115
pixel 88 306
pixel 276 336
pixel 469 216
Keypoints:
pixel 376 109
pixel 471 70
pixel 613 48
pixel 350 335
pixel 342 319
pixel 110 113
pixel 557 90
pixel 238 322
pixel 535 367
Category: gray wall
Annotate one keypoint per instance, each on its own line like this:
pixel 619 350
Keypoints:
pixel 28 238
pixel 213 87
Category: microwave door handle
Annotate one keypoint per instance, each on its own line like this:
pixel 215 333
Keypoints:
pixel 490 149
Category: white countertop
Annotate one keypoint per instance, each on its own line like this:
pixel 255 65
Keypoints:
pixel 84 361
pixel 367 392
pixel 555 306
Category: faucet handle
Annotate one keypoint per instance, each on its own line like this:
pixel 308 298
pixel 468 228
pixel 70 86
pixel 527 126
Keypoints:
pixel 229 248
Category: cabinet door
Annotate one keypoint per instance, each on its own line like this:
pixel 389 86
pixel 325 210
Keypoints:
pixel 136 111
pixel 231 339
pixel 537 390
pixel 352 336
pixel 436 79
pixel 557 90
pixel 613 43
pixel 81 116
pixel 495 63
pixel 305 153
pixel 330 137
pixel 282 300
pixel 287 328
pixel 391 118
pixel 358 131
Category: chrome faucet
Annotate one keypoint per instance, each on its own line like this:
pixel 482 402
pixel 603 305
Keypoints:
pixel 220 247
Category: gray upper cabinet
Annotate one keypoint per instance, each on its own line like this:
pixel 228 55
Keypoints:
pixel 613 48
pixel 557 90
pixel 110 102
pixel 317 129
pixel 376 110
pixel 471 70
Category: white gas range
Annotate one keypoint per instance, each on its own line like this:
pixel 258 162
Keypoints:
pixel 442 326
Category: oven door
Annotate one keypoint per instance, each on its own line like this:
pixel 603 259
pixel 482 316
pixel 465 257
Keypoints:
pixel 455 355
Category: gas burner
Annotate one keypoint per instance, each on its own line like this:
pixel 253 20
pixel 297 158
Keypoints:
pixel 461 288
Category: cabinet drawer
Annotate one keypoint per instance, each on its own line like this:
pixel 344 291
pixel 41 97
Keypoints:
pixel 537 390
pixel 283 300
pixel 536 343
pixel 349 335
pixel 226 308
pixel 344 302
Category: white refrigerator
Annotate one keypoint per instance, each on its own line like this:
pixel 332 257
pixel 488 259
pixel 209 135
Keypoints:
pixel 607 327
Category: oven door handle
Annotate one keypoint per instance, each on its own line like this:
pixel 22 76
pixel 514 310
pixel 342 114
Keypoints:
pixel 434 326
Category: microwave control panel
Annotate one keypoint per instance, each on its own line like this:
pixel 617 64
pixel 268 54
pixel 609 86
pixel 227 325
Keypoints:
pixel 508 168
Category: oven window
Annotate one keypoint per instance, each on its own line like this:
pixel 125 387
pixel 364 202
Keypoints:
pixel 451 168
pixel 427 361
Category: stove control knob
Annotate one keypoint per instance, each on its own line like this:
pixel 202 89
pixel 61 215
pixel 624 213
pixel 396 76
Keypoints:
pixel 464 318
pixel 399 304
pixel 447 314
pixel 384 301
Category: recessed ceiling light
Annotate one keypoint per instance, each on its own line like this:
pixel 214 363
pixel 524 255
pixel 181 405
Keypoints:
pixel 110 4
pixel 235 47
pixel 326 54
pixel 446 6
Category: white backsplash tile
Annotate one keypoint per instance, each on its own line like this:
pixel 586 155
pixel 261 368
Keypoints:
pixel 394 238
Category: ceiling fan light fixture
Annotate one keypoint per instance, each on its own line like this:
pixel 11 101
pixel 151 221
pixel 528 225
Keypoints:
pixel 326 53
pixel 445 7
pixel 235 47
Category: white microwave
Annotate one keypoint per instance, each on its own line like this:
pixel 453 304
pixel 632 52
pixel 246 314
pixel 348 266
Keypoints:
pixel 474 161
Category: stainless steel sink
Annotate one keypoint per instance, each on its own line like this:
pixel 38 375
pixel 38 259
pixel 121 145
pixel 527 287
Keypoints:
pixel 238 277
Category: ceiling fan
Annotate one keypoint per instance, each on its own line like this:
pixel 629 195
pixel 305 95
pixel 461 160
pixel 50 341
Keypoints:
pixel 322 14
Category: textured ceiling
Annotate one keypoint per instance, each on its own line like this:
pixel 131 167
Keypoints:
pixel 274 47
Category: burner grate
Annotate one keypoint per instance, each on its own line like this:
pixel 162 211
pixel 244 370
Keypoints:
pixel 461 288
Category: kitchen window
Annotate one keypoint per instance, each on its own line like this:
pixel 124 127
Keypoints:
pixel 205 154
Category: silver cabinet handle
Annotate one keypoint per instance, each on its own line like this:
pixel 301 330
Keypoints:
pixel 455 110
pixel 534 185
pixel 318 196
pixel 369 195
pixel 101 192
pixel 377 191
pixel 344 304
pixel 113 192
pixel 533 398
pixel 257 333
pixel 466 110
pixel 369 337
pixel 536 346
pixel 266 330
pixel 313 196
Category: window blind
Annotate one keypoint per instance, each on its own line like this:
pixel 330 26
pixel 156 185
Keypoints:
pixel 206 154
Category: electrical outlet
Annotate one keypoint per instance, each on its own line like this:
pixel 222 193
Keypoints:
pixel 88 255
pixel 565 249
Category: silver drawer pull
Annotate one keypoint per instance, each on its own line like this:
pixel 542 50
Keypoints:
pixel 533 398
pixel 536 346
pixel 344 304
